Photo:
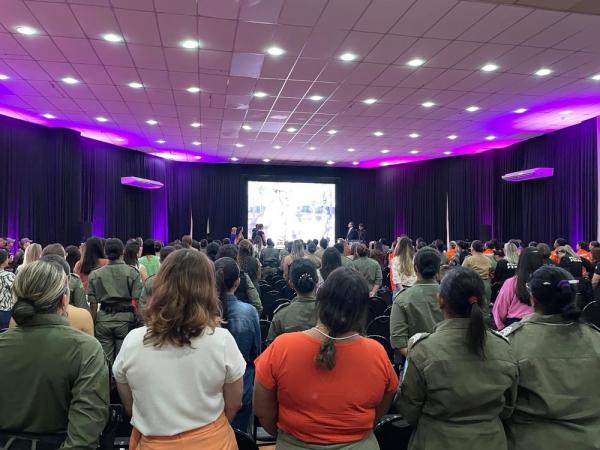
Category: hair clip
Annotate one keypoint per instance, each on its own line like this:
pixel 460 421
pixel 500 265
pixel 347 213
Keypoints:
pixel 472 300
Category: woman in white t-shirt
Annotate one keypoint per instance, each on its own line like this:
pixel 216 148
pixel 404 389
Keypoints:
pixel 181 377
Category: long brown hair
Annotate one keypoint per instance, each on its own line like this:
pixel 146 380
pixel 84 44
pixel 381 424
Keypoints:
pixel 184 300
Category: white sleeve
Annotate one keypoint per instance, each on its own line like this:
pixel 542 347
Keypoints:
pixel 235 365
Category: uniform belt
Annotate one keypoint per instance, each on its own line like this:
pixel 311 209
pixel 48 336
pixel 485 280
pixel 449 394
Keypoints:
pixel 118 307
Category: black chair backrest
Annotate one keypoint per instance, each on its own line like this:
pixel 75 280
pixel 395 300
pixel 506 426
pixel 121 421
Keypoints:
pixel 379 326
pixel 591 313
pixel 385 342
pixel 386 295
pixel 393 433
pixel 264 328
pixel 288 293
pixel 245 441
pixel 377 308
pixel 29 441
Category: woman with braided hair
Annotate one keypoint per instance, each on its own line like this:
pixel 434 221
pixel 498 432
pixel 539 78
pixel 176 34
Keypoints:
pixel 325 387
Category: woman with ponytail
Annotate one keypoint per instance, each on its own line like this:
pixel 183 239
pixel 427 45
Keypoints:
pixel 325 387
pixel 460 380
pixel 241 319
pixel 558 406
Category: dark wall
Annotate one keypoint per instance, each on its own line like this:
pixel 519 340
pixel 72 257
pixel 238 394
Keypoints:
pixel 57 186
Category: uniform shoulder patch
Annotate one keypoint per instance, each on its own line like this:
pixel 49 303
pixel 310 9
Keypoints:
pixel 74 275
pixel 505 332
pixel 416 339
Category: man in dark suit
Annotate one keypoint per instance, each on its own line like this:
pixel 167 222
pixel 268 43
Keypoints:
pixel 352 233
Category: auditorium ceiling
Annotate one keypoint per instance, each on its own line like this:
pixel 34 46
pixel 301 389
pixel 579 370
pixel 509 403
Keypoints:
pixel 347 83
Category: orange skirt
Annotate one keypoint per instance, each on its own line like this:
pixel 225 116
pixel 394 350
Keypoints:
pixel 215 436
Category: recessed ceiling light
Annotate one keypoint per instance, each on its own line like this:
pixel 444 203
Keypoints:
pixel 332 132
pixel 277 147
pixel 348 56
pixel 378 133
pixel 111 37
pixel 275 51
pixel 3 77
pixel 101 119
pixel 452 137
pixel 416 62
pixel 414 135
pixel 233 158
pixel 135 85
pixel 195 124
pixel 190 44
pixel 566 113
pixel 48 116
pixel 196 143
pixel 351 150
pixel 370 101
pixel 330 163
pixel 266 160
pixel 489 67
pixel 291 129
pixel 520 110
pixel 24 29
pixel 385 163
pixel 414 152
pixel 70 80
pixel 246 127
pixel 472 108
pixel 312 148
pixel 151 122
pixel 596 77
pixel 260 94
pixel 197 157
pixel 447 153
pixel 355 163
pixel 193 89
pixel 428 104
pixel 384 151
pixel 316 98
pixel 543 72
pixel 238 145
pixel 490 137
pixel 161 141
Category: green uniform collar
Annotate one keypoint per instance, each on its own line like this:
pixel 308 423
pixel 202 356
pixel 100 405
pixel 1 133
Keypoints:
pixel 302 298
pixel 46 319
pixel 451 324
pixel 116 262
pixel 426 283
pixel 551 318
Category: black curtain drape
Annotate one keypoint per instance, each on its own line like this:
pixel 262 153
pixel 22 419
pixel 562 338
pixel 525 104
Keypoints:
pixel 60 187
pixel 40 183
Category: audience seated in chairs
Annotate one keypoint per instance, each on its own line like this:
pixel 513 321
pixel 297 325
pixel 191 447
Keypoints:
pixel 181 377
pixel 300 315
pixel 416 309
pixel 241 319
pixel 54 378
pixel 557 405
pixel 461 380
pixel 350 375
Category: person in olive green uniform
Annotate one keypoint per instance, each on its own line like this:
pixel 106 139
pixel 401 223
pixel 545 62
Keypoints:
pixel 461 380
pixel 300 314
pixel 77 297
pixel 481 264
pixel 558 404
pixel 114 286
pixel 415 309
pixel 369 268
pixel 269 258
pixel 54 377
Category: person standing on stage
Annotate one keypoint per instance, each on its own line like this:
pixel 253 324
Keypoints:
pixel 352 233
pixel 362 233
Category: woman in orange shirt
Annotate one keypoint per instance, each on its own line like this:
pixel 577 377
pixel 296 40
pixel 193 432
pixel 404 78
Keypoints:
pixel 310 388
pixel 451 250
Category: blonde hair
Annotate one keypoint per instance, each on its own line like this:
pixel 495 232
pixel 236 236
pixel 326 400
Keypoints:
pixel 511 253
pixel 32 253
pixel 39 288
pixel 567 249
pixel 405 252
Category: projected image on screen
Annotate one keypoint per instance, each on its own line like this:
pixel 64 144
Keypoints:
pixel 291 211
